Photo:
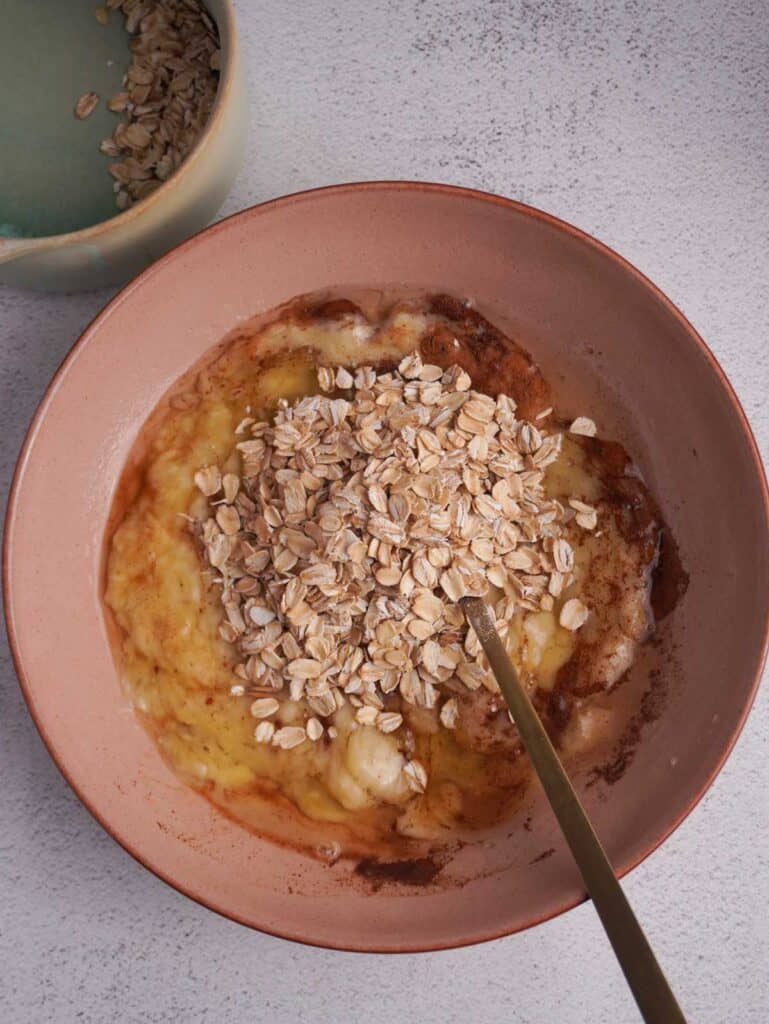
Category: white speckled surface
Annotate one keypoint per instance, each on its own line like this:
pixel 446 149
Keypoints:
pixel 646 125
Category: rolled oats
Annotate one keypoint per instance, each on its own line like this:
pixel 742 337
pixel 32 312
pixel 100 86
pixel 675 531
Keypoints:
pixel 416 776
pixel 584 426
pixel 288 737
pixel 389 721
pixel 573 614
pixel 449 713
pixel 354 528
pixel 314 729
pixel 168 91
pixel 264 732
pixel 264 707
pixel 86 105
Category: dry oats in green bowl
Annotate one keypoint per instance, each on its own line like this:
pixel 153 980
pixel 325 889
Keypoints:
pixel 121 132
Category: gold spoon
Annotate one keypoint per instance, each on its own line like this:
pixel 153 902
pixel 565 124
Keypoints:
pixel 644 976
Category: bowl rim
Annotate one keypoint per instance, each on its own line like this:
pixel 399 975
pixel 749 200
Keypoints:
pixel 458 192
pixel 12 247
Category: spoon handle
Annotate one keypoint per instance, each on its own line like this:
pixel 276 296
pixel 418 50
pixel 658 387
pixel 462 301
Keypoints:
pixel 644 976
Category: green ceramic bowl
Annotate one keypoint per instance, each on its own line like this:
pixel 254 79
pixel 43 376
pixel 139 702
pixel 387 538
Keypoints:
pixel 59 227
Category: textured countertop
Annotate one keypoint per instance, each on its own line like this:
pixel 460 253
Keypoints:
pixel 645 124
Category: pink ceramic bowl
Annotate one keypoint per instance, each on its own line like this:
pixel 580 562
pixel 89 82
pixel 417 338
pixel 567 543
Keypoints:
pixel 609 341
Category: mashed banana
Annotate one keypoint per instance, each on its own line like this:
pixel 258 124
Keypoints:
pixel 355 782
